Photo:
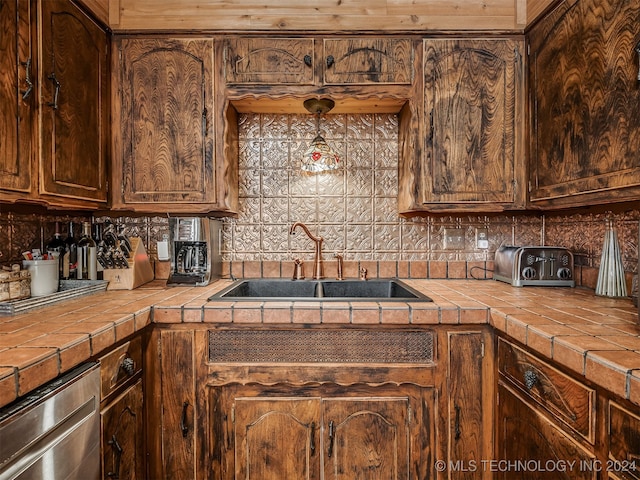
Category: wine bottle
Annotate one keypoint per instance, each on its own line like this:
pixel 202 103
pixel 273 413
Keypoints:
pixel 71 254
pixel 87 254
pixel 57 248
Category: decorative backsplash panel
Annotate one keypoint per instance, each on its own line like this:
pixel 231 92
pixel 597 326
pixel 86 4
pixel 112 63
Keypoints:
pixel 353 209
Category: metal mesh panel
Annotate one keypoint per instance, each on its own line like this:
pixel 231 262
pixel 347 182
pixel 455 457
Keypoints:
pixel 320 346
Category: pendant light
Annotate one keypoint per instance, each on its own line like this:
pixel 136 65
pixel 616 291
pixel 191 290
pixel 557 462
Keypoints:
pixel 319 157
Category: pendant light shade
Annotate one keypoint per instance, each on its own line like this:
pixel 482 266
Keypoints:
pixel 319 157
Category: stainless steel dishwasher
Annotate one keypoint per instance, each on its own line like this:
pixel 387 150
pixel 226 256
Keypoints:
pixel 54 432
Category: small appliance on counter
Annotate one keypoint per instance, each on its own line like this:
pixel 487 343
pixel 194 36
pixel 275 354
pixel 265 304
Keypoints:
pixel 534 265
pixel 195 245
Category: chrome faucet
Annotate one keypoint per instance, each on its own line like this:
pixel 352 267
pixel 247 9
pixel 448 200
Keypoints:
pixel 318 271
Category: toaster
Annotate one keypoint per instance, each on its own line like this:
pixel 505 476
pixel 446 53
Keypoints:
pixel 534 265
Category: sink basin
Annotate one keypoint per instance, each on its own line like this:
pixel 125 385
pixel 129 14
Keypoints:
pixel 325 290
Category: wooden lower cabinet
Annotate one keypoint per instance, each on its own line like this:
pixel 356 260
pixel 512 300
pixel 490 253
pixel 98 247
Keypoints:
pixel 123 436
pixel 322 432
pixel 122 411
pixel 531 447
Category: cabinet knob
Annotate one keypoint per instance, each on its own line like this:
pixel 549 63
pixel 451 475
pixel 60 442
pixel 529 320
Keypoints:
pixel 128 365
pixel 330 61
pixel 307 60
pixel 530 379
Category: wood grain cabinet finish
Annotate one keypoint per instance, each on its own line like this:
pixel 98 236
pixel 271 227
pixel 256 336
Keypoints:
pixel 269 61
pixel 164 156
pixel 296 61
pixel 54 96
pixel 584 98
pixel 18 99
pixel 524 434
pixel 73 79
pixel 123 436
pixel 323 432
pixel 470 402
pixel 121 412
pixel 471 157
pixel 624 442
pixel 569 402
pixel 363 61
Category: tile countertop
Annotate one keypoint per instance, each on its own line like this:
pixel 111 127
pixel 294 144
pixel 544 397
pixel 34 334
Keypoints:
pixel 596 337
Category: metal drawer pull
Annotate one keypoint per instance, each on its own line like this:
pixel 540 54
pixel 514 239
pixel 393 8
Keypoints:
pixel 330 61
pixel 118 455
pixel 312 442
pixel 27 79
pixel 183 420
pixel 457 425
pixel 56 92
pixel 332 435
pixel 530 379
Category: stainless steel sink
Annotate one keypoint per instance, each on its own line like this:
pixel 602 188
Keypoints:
pixel 389 289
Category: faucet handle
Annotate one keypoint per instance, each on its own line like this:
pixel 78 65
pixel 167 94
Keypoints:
pixel 363 273
pixel 298 269
pixel 340 264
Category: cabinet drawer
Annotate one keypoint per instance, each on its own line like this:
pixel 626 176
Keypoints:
pixel 624 438
pixel 274 61
pixel 362 61
pixel 119 365
pixel 565 398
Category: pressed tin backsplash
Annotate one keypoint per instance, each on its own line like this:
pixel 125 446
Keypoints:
pixel 353 209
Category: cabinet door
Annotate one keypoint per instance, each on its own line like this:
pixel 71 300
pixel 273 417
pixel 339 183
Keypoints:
pixel 471 94
pixel 532 448
pixel 274 61
pixel 17 94
pixel 624 441
pixel 174 425
pixel 74 104
pixel 368 61
pixel 584 99
pixel 165 154
pixel 470 404
pixel 277 438
pixel 366 438
pixel 122 436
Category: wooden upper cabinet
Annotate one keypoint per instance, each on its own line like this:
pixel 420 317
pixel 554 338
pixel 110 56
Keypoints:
pixel 75 111
pixel 164 155
pixel 17 97
pixel 309 61
pixel 361 61
pixel 471 157
pixel 276 61
pixel 584 99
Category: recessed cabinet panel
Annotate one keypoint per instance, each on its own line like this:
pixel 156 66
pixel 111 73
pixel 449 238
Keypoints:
pixel 278 61
pixel 470 93
pixel 584 99
pixel 17 96
pixel 524 435
pixel 624 438
pixel 166 122
pixel 73 78
pixel 368 61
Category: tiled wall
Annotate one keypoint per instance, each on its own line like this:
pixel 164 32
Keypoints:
pixel 354 210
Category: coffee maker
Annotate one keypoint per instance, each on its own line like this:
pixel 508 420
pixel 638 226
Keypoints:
pixel 195 245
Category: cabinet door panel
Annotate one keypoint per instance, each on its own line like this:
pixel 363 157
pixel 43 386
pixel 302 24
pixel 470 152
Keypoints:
pixel 74 103
pixel 122 436
pixel 530 445
pixel 167 106
pixel 276 61
pixel 277 438
pixel 624 441
pixel 471 88
pixel 367 61
pixel 16 97
pixel 584 100
pixel 365 438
